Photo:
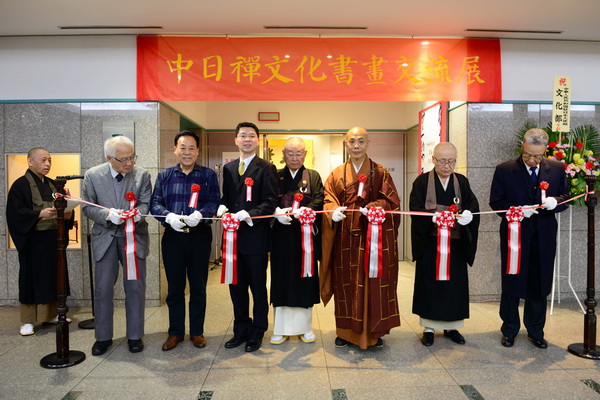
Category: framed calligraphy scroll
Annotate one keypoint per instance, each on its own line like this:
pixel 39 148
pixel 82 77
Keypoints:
pixel 433 129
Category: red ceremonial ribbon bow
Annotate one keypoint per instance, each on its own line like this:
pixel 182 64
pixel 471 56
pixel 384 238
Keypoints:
pixel 514 216
pixel 445 221
pixel 249 182
pixel 543 186
pixel 362 178
pixel 297 199
pixel 131 261
pixel 229 250
pixel 194 196
pixel 307 217
pixel 373 262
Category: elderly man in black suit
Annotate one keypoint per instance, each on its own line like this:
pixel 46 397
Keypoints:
pixel 249 190
pixel 517 183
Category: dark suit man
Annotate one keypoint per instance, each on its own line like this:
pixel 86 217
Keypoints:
pixel 106 185
pixel 516 183
pixel 253 235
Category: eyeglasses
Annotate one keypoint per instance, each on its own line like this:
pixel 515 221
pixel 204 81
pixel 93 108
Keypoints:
pixel 125 160
pixel 535 157
pixel 443 161
pixel 250 136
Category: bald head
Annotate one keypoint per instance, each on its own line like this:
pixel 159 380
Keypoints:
pixel 357 142
pixel 444 159
pixel 294 153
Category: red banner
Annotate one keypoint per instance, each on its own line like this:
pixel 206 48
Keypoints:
pixel 278 69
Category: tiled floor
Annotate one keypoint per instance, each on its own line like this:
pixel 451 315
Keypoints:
pixel 403 369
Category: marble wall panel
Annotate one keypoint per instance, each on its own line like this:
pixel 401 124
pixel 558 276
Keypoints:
pixel 55 127
pixel 3 272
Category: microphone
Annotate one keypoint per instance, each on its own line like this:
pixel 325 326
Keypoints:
pixel 69 177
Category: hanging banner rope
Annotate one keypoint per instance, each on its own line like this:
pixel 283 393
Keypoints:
pixel 307 217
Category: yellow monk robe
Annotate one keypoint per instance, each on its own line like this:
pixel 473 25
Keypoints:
pixel 365 308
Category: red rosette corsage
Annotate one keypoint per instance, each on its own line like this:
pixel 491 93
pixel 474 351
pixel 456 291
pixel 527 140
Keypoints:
pixel 544 185
pixel 362 178
pixel 249 182
pixel 195 188
pixel 298 197
pixel 130 196
pixel 453 208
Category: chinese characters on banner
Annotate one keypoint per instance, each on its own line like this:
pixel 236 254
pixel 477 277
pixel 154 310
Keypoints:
pixel 561 104
pixel 279 69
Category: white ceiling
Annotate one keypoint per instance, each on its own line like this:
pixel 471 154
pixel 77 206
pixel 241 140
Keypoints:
pixel 577 19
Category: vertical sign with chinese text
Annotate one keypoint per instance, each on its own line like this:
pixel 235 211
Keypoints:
pixel 561 104
pixel 172 68
pixel 432 130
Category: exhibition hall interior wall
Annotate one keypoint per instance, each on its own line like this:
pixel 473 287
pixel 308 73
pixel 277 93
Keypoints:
pixel 59 92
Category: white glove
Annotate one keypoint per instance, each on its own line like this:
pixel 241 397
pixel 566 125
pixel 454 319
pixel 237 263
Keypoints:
pixel 465 217
pixel 244 216
pixel 298 211
pixel 364 210
pixel 528 212
pixel 221 210
pixel 338 214
pixel 193 219
pixel 434 218
pixel 114 216
pixel 550 203
pixel 175 221
pixel 283 219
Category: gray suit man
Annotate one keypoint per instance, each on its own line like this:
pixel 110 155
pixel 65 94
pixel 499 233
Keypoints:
pixel 107 185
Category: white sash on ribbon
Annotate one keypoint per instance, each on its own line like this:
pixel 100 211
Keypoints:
pixel 131 260
pixel 445 221
pixel 307 217
pixel 249 182
pixel 514 216
pixel 193 203
pixel 373 262
pixel 229 250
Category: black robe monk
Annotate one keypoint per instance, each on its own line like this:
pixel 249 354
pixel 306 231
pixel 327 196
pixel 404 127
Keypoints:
pixel 433 299
pixel 288 288
pixel 37 248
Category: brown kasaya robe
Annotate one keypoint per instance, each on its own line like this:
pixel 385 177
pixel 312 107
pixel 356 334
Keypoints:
pixel 365 308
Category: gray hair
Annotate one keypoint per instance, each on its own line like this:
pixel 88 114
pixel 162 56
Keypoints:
pixel 536 136
pixel 110 146
pixel 294 140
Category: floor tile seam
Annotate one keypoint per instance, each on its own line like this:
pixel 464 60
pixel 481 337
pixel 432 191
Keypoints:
pixel 220 348
pixel 323 352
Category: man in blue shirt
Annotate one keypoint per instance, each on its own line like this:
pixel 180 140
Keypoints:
pixel 188 196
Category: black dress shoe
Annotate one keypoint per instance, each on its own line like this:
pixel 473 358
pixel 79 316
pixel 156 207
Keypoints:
pixel 455 336
pixel 234 342
pixel 507 342
pixel 539 343
pixel 253 345
pixel 377 345
pixel 427 339
pixel 135 345
pixel 100 347
pixel 339 342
